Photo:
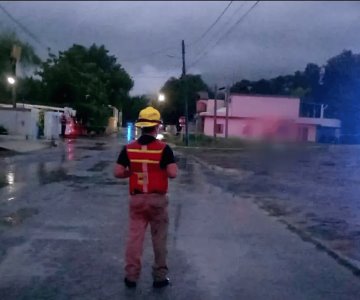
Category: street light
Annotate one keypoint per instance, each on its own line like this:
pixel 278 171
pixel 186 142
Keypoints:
pixel 161 98
pixel 11 80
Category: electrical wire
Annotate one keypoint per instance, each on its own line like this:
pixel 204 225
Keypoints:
pixel 161 51
pixel 222 29
pixel 151 54
pixel 29 33
pixel 207 51
pixel 212 25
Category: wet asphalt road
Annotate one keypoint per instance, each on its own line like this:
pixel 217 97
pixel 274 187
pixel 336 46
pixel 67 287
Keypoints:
pixel 63 226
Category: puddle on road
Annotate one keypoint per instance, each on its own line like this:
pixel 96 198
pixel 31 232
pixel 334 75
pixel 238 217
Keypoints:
pixel 186 177
pixel 18 216
pixel 113 182
pixel 328 164
pixel 5 152
pixel 328 228
pixel 52 176
pixel 3 183
pixel 100 166
pixel 97 147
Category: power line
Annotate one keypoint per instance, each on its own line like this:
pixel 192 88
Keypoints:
pixel 161 51
pixel 238 22
pixel 33 36
pixel 242 18
pixel 194 43
pixel 151 54
pixel 236 12
pixel 212 25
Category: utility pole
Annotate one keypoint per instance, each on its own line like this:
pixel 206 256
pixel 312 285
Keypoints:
pixel 185 94
pixel 227 97
pixel 215 110
pixel 15 57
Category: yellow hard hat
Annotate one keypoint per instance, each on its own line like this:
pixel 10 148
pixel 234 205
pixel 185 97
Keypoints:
pixel 148 117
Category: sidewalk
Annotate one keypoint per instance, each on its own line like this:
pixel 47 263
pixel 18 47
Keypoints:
pixel 21 145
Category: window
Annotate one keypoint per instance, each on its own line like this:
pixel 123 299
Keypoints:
pixel 219 128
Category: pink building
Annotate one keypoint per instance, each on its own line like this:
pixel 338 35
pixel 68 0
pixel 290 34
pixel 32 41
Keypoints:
pixel 265 118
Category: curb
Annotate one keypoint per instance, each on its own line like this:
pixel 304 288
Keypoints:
pixel 339 258
pixel 42 146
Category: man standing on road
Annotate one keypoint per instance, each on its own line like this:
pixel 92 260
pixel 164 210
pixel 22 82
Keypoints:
pixel 63 122
pixel 148 163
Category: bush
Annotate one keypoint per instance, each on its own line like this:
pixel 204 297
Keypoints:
pixel 99 130
pixel 3 130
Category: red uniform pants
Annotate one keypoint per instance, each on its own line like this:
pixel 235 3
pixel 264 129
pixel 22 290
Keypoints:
pixel 147 209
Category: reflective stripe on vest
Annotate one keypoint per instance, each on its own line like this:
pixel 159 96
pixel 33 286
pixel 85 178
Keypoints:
pixel 146 174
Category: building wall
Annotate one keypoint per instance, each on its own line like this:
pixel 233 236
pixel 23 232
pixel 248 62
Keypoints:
pixel 263 129
pixel 210 105
pixel 266 118
pixel 264 106
pixel 52 126
pixel 20 121
pixel 312 137
pixel 16 121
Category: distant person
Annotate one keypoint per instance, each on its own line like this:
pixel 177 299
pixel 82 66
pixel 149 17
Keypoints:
pixel 63 122
pixel 148 163
pixel 178 129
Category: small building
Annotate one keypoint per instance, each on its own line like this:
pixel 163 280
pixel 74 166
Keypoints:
pixel 259 117
pixel 24 119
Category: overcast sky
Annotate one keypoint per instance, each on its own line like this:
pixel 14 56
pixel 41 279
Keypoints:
pixel 275 38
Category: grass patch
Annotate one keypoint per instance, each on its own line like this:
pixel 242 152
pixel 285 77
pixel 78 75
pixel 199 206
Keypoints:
pixel 200 140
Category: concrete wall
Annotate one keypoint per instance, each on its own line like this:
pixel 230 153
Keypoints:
pixel 264 118
pixel 312 137
pixel 264 106
pixel 17 122
pixel 335 123
pixel 52 125
pixel 210 105
pixel 259 129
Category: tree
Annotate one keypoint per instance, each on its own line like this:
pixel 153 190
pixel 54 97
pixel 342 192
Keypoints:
pixel 87 79
pixel 341 90
pixel 30 90
pixel 28 59
pixel 174 105
pixel 132 107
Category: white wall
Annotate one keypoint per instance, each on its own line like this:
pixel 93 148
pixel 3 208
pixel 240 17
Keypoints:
pixel 20 121
pixel 52 126
pixel 16 122
pixel 254 106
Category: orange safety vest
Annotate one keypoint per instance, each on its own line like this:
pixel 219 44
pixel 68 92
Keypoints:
pixel 146 175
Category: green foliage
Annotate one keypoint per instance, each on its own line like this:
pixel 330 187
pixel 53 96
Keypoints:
pixel 174 105
pixel 87 79
pixel 298 85
pixel 28 59
pixel 132 107
pixel 339 89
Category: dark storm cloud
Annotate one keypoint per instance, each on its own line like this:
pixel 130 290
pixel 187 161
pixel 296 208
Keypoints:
pixel 276 38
